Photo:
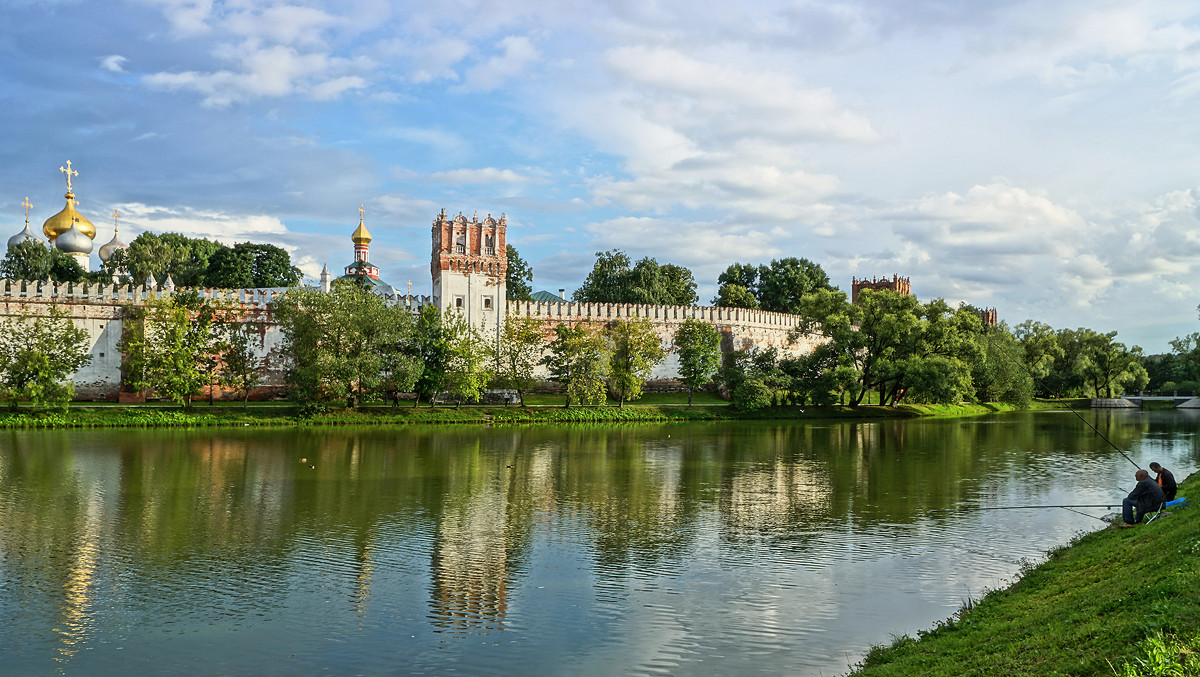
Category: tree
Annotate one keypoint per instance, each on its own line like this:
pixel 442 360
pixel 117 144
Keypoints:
pixel 467 372
pixel 38 353
pixel 344 345
pixel 165 346
pixel 32 260
pixel 241 368
pixel 782 284
pixel 635 350
pixel 751 378
pixel 578 360
pixel 519 278
pixel 430 348
pixel 614 280
pixel 518 352
pixel 1000 375
pixel 699 347
pixel 1112 367
pixel 734 296
pixel 230 268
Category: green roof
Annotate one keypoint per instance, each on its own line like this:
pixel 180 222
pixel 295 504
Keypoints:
pixel 546 297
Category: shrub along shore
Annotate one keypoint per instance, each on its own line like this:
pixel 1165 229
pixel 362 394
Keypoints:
pixel 652 409
pixel 1122 602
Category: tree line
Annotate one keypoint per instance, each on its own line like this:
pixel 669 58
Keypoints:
pixel 190 262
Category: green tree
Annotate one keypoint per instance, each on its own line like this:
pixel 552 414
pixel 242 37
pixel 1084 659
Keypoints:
pixel 615 280
pixel 1001 375
pixel 32 260
pixel 519 277
pixel 166 344
pixel 518 353
pixel 230 268
pixel 345 345
pixel 241 368
pixel 467 370
pixel 752 378
pixel 742 275
pixel 785 282
pixel 635 350
pixel 698 345
pixel 1112 367
pixel 578 361
pixel 734 296
pixel 38 354
pixel 430 347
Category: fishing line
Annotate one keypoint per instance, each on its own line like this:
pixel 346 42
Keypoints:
pixel 1086 515
pixel 1077 414
pixel 1028 507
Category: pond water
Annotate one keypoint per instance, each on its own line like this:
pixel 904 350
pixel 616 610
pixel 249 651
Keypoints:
pixel 722 548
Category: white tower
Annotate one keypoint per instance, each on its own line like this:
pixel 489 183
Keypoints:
pixel 469 267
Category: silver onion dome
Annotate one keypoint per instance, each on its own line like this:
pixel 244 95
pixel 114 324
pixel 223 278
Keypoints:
pixel 73 241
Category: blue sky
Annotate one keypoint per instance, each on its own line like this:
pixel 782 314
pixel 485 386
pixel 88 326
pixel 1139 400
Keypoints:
pixel 1034 156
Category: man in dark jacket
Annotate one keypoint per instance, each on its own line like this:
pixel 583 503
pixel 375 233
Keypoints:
pixel 1165 480
pixel 1147 496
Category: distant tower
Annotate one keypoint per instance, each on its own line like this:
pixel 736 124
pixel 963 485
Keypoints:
pixel 900 285
pixel 989 317
pixel 362 244
pixel 469 267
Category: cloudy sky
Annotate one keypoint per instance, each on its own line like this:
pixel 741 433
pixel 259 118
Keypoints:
pixel 1039 157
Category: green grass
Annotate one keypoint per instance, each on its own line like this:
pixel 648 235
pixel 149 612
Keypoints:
pixel 1116 602
pixel 539 408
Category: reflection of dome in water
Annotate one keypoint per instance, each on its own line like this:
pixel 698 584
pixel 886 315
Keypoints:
pixel 74 241
pixel 61 222
pixel 22 236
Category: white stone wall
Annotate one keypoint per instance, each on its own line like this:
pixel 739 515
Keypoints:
pixel 740 328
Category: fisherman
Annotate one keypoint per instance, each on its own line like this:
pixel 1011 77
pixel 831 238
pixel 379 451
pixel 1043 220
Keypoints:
pixel 1165 480
pixel 1147 496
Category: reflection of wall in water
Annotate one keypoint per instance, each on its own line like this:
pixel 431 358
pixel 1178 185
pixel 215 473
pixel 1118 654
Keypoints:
pixel 470 563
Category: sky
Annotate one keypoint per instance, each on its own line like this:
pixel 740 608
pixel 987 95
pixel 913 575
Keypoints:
pixel 1037 157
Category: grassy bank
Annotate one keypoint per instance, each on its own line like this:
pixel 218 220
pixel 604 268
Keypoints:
pixel 1116 602
pixel 538 409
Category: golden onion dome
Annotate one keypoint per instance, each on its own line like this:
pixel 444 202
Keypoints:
pixel 61 222
pixel 361 236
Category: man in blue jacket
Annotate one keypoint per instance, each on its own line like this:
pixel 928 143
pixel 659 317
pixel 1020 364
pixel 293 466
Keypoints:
pixel 1147 497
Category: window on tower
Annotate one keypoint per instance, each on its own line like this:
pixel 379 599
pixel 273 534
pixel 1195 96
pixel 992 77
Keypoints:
pixel 487 303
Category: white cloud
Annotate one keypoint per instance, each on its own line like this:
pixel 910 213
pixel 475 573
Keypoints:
pixel 484 175
pixel 519 53
pixel 226 228
pixel 113 63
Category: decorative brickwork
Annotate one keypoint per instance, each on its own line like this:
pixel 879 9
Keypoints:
pixel 896 284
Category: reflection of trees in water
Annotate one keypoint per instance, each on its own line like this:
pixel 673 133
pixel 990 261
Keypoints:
pixel 171 522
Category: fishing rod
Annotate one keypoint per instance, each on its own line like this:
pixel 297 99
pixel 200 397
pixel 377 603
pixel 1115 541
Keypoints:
pixel 1077 414
pixel 1029 507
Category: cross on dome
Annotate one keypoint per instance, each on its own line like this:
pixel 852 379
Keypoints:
pixel 27 205
pixel 69 172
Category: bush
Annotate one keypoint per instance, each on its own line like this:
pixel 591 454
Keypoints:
pixel 751 395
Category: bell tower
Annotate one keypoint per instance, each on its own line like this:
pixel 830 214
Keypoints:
pixel 469 267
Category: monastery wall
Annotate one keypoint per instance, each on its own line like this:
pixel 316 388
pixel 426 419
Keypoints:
pixel 740 328
pixel 99 309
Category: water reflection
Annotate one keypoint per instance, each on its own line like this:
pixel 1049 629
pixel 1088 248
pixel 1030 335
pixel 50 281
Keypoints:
pixel 603 549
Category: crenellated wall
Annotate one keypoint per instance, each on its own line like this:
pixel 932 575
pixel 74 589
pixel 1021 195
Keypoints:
pixel 740 328
pixel 99 309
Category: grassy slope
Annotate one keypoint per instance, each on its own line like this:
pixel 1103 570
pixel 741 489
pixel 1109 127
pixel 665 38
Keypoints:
pixel 1088 610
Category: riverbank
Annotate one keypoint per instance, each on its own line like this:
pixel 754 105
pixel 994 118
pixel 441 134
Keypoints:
pixel 281 414
pixel 1114 602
